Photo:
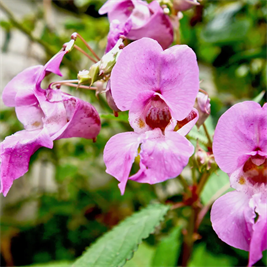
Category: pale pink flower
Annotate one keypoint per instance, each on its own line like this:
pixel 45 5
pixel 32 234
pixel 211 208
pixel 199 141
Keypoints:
pixel 240 148
pixel 159 90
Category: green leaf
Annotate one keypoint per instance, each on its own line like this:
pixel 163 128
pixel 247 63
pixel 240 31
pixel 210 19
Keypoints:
pixel 118 245
pixel 168 249
pixel 217 181
pixel 259 97
pixel 202 257
pixel 225 28
pixel 199 134
pixel 142 257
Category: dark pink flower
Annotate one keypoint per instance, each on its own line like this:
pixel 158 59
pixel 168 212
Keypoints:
pixel 136 19
pixel 159 89
pixel 240 149
pixel 47 115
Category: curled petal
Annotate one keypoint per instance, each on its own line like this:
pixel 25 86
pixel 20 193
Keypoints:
pixel 119 154
pixel 162 157
pixel 51 66
pixel 116 30
pixel 240 130
pixel 20 90
pixel 82 120
pixel 187 124
pixel 15 153
pixel 232 219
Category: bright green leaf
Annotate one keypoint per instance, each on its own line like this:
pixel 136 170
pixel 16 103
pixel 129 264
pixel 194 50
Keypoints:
pixel 259 97
pixel 168 249
pixel 202 257
pixel 142 257
pixel 216 183
pixel 119 244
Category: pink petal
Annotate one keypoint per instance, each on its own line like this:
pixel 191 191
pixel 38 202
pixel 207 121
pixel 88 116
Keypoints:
pixel 258 241
pixel 20 90
pixel 240 130
pixel 157 27
pixel 30 116
pixel 179 79
pixel 119 154
pixel 137 113
pixel 162 157
pixel 82 120
pixel 15 153
pixel 137 70
pixel 232 219
pixel 51 66
pixel 188 122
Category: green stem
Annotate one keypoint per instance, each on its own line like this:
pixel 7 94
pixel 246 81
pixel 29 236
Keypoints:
pixel 189 238
pixel 202 182
pixel 207 134
pixel 184 184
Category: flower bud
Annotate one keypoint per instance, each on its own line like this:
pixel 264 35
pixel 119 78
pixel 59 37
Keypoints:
pixel 89 76
pixel 110 99
pixel 68 46
pixel 108 61
pixel 202 104
pixel 205 160
pixel 182 5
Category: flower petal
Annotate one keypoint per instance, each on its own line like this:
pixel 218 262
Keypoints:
pixel 20 90
pixel 240 130
pixel 258 241
pixel 162 157
pixel 119 154
pixel 137 70
pixel 137 113
pixel 156 26
pixel 179 79
pixel 232 219
pixel 15 153
pixel 82 120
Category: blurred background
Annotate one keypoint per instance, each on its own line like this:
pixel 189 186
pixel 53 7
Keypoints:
pixel 66 200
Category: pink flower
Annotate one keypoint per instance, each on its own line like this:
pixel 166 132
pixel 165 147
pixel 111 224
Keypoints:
pixel 47 115
pixel 240 148
pixel 158 88
pixel 136 19
pixel 182 5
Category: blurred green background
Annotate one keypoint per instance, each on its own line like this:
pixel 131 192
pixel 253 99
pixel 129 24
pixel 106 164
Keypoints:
pixel 66 200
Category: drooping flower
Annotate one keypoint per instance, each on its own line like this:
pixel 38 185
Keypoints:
pixel 136 19
pixel 240 148
pixel 47 115
pixel 159 89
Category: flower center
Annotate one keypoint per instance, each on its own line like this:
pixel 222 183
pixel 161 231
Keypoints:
pixel 158 114
pixel 256 170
